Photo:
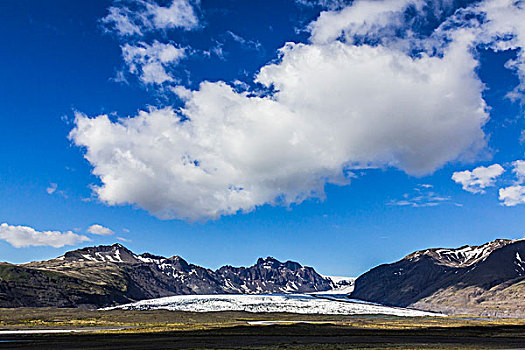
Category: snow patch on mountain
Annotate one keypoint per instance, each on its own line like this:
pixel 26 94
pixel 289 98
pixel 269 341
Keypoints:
pixel 462 256
pixel 520 264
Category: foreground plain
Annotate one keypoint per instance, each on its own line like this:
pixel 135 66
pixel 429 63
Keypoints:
pixel 161 329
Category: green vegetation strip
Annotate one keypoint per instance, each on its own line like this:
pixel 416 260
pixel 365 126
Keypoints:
pixel 163 320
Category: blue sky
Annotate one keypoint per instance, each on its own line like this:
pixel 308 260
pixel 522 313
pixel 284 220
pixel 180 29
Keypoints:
pixel 322 153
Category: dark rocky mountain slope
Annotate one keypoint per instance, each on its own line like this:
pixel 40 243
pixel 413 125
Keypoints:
pixel 109 275
pixel 483 280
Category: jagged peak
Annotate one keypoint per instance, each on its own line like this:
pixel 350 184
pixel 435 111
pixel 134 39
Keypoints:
pixel 268 259
pixel 176 258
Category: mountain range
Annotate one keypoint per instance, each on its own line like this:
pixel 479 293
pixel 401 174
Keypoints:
pixel 487 280
pixel 110 275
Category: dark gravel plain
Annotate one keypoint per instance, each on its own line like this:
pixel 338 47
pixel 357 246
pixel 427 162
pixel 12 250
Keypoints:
pixel 296 336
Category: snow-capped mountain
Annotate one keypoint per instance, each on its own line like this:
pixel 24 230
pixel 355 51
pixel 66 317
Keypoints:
pixel 115 275
pixel 487 279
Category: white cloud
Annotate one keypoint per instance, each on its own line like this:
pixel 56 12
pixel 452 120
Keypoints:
pixel 121 21
pixel 356 96
pixel 180 14
pixel 327 4
pixel 362 18
pixel 140 16
pixel 51 188
pixel 512 195
pixel 476 180
pixel 124 239
pixel 504 30
pixel 497 24
pixel 97 229
pixel 151 61
pixel 25 236
pixel 251 44
pixel 519 170
pixel 332 112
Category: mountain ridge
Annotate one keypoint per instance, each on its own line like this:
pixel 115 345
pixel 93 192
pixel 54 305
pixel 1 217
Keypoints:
pixel 484 280
pixel 110 274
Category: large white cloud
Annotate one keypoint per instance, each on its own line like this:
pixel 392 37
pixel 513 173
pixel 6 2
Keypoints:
pixel 25 236
pixel 337 107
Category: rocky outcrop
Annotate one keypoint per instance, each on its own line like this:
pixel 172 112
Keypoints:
pixel 272 276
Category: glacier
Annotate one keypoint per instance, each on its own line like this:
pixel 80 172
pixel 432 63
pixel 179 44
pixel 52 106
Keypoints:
pixel 328 304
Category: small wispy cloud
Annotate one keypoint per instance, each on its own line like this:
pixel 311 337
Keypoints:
pixel 51 188
pixel 522 137
pixel 325 4
pixel 249 44
pixel 120 77
pixel 421 196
